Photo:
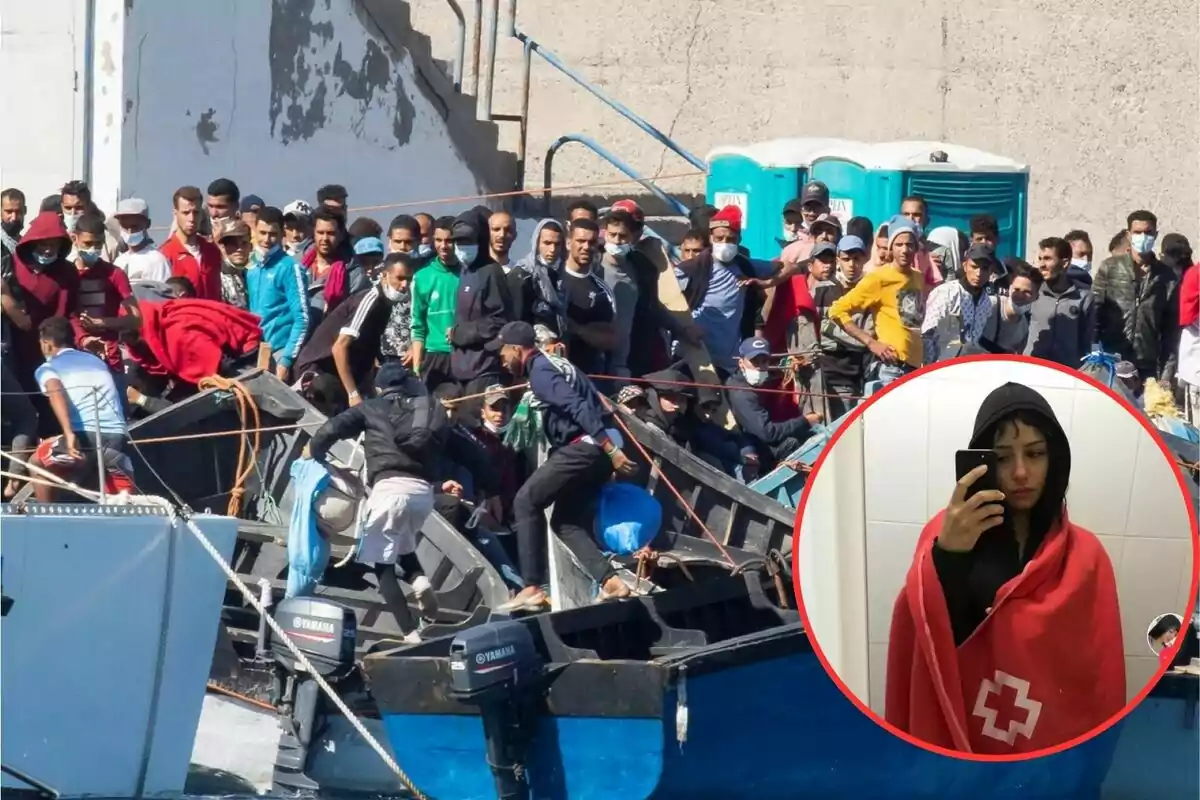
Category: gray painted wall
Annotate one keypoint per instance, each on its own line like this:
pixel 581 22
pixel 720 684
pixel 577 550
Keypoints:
pixel 1101 98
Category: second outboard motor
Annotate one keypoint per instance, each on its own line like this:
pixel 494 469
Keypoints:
pixel 497 668
pixel 325 632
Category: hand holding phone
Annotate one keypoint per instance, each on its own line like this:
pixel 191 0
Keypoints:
pixel 975 506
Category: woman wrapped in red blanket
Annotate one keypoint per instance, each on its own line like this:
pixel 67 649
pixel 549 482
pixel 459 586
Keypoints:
pixel 1006 638
pixel 187 340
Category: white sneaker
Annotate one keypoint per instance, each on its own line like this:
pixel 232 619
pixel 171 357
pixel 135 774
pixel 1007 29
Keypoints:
pixel 426 598
pixel 412 637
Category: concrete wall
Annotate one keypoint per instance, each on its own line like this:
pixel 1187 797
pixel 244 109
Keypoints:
pixel 280 95
pixel 1101 98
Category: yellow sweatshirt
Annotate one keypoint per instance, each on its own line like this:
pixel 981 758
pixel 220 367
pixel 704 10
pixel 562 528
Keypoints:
pixel 896 298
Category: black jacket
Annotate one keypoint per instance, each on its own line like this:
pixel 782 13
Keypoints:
pixel 400 427
pixel 484 304
pixel 1138 318
pixel 699 274
pixel 752 417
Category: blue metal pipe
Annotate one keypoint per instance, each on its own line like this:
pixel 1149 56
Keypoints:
pixel 658 135
pixel 601 151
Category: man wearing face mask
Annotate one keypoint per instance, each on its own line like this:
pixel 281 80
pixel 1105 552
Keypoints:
pixel 75 199
pixel 434 292
pixel 1014 308
pixel 773 441
pixel 1080 268
pixel 425 244
pixel 1062 318
pixel 297 229
pixel 106 305
pixel 278 289
pixel 725 306
pixel 1135 315
pixel 141 261
pixel 349 341
pixel 47 285
pixel 12 209
pixel 482 306
pixel 235 245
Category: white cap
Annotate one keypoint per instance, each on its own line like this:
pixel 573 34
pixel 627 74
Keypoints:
pixel 297 208
pixel 132 207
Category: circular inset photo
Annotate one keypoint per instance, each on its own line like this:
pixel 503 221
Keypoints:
pixel 1163 632
pixel 979 548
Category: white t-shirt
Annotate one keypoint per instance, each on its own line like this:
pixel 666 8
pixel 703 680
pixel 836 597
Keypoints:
pixel 146 264
pixel 90 389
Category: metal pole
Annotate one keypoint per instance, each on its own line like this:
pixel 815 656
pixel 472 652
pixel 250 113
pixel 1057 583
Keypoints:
pixel 99 450
pixel 483 111
pixel 460 45
pixel 476 36
pixel 89 89
pixel 523 136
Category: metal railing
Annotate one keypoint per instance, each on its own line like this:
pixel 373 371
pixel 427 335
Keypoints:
pixel 456 69
pixel 601 151
pixel 483 84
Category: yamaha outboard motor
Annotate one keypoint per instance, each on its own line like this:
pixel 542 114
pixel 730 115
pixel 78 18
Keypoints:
pixel 325 632
pixel 497 668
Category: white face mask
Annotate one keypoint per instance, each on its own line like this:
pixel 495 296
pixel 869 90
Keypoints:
pixel 724 252
pixel 389 291
pixel 133 238
pixel 493 427
pixel 617 250
pixel 297 249
pixel 790 235
pixel 263 255
pixel 755 377
pixel 1142 243
pixel 70 221
pixel 424 250
pixel 1081 263
pixel 466 253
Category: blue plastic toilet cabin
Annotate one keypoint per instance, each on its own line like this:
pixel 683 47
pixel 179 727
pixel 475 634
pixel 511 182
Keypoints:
pixel 870 180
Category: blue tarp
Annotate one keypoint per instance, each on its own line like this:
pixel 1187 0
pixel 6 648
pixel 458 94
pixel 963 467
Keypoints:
pixel 628 518
pixel 307 549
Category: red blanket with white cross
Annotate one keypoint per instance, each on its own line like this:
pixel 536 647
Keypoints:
pixel 1045 666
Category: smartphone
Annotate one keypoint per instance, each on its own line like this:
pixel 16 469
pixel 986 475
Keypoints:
pixel 967 460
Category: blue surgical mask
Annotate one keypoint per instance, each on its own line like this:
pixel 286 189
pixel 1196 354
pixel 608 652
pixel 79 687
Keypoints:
pixel 44 259
pixel 70 221
pixel 133 238
pixel 466 253
pixel 1082 263
pixel 1142 243
pixel 424 250
pixel 617 250
pixel 89 256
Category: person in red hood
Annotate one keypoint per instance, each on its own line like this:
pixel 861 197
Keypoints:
pixel 106 305
pixel 1188 368
pixel 1006 638
pixel 46 285
pixel 193 256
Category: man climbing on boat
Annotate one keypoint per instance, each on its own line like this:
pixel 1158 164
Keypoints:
pixel 398 428
pixel 584 453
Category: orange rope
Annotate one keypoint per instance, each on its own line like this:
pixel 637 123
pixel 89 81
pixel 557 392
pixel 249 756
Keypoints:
pixel 217 688
pixel 248 452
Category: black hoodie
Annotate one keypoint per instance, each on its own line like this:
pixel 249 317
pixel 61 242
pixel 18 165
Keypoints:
pixel 483 305
pixel 971 579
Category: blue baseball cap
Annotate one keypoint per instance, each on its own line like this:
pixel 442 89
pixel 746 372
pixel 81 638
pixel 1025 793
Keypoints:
pixel 251 202
pixel 850 243
pixel 754 347
pixel 368 245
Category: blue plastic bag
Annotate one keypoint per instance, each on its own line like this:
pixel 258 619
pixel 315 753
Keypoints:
pixel 628 518
pixel 307 549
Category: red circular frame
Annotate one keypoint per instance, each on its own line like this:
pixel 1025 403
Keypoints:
pixel 855 414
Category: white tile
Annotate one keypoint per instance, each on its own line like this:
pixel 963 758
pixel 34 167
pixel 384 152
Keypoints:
pixel 1138 672
pixel 1186 585
pixel 894 446
pixel 993 372
pixel 877 653
pixel 1104 444
pixel 890 548
pixel 1148 584
pixel 1115 547
pixel 1157 505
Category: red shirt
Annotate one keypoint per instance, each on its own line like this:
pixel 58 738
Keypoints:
pixel 103 287
pixel 204 273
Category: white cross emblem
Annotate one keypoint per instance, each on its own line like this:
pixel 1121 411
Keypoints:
pixel 1032 708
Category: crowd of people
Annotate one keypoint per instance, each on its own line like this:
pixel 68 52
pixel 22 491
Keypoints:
pixel 419 335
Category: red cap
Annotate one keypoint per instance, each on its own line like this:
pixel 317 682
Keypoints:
pixel 631 208
pixel 727 217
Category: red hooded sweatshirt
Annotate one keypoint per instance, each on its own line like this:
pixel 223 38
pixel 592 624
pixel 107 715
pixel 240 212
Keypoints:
pixel 1189 297
pixel 44 291
pixel 1046 665
pixel 204 273
pixel 187 338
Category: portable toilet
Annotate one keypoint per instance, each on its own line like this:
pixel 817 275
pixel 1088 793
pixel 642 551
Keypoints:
pixel 871 180
pixel 760 179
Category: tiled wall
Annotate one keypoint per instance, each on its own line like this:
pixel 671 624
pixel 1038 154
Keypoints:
pixel 1122 489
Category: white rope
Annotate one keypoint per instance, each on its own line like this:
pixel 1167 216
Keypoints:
pixel 307 665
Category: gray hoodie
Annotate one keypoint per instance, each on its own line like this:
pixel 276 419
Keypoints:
pixel 548 310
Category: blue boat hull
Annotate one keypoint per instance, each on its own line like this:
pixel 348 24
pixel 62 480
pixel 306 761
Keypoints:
pixel 774 727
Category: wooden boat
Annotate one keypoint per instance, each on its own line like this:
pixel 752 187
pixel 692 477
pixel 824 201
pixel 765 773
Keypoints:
pixel 711 525
pixel 704 691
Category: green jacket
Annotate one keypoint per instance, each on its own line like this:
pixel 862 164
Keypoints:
pixel 434 293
